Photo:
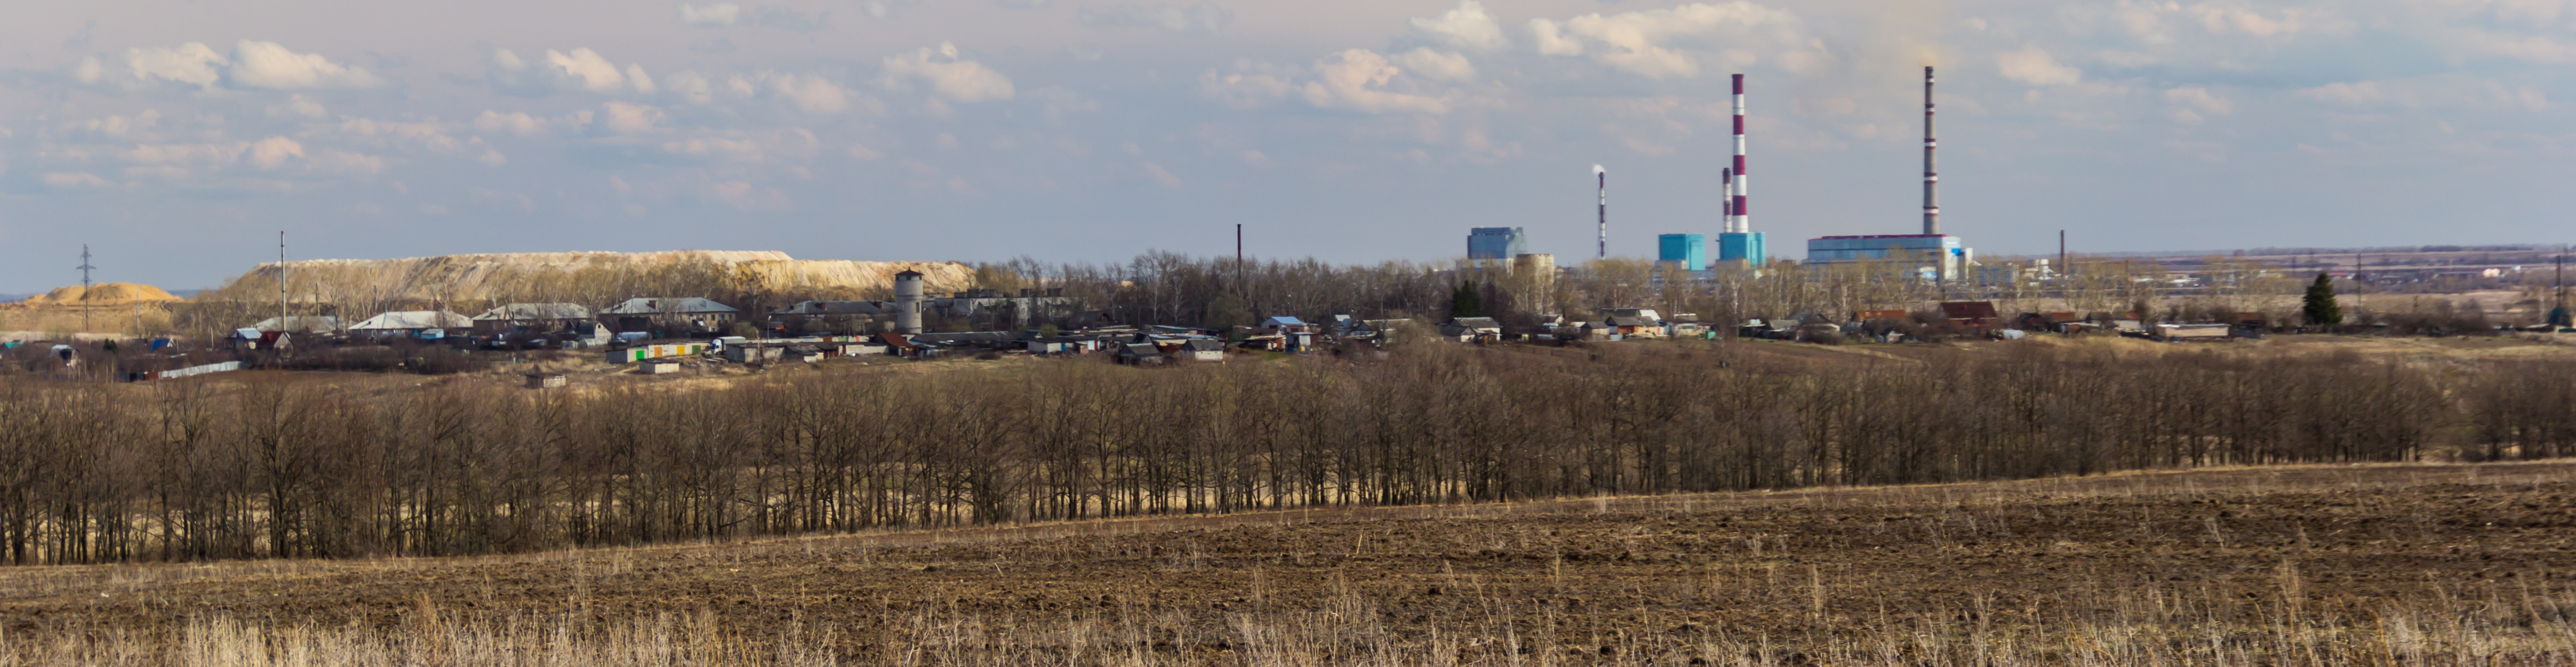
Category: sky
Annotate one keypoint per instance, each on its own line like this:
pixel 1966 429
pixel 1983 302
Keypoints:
pixel 177 138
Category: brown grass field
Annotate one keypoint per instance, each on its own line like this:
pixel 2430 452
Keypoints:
pixel 2417 564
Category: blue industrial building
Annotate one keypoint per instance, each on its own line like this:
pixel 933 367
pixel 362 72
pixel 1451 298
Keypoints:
pixel 1690 251
pixel 1943 256
pixel 1496 243
pixel 1746 247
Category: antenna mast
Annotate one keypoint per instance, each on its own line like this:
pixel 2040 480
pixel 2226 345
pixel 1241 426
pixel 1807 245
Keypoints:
pixel 281 284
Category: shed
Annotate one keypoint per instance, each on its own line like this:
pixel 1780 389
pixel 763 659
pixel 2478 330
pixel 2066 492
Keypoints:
pixel 546 380
pixel 2191 332
pixel 659 366
pixel 1141 354
pixel 1201 349
pixel 803 354
pixel 1972 315
pixel 303 324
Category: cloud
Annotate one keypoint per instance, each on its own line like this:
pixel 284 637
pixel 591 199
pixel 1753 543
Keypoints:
pixel 75 179
pixel 1466 27
pixel 299 105
pixel 272 152
pixel 1434 64
pixel 580 69
pixel 814 94
pixel 1355 80
pixel 2033 66
pixel 948 77
pixel 1198 19
pixel 516 122
pixel 623 118
pixel 251 65
pixel 1162 176
pixel 711 16
pixel 1660 43
pixel 2190 102
pixel 2363 92
pixel 190 63
pixel 1245 90
pixel 745 196
pixel 268 65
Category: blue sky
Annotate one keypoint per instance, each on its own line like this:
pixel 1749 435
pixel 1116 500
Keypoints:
pixel 177 138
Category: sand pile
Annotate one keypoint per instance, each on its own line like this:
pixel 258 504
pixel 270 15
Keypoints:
pixel 104 294
pixel 510 275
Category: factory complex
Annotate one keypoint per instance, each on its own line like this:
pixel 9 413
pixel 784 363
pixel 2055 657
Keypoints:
pixel 1941 257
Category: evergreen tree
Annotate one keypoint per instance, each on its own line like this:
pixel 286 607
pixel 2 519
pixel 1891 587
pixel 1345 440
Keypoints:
pixel 2319 306
pixel 1466 301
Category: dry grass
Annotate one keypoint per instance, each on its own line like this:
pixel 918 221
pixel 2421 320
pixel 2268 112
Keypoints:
pixel 2310 565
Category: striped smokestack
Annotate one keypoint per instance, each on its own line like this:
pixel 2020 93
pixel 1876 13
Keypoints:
pixel 1726 199
pixel 1603 177
pixel 1931 172
pixel 1742 222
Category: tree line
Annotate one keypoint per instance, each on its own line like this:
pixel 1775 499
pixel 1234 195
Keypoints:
pixel 273 465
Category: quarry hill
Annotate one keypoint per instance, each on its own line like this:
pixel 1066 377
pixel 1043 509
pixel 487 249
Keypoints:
pixel 103 294
pixel 505 276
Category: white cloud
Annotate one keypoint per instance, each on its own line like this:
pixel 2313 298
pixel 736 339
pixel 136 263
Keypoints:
pixel 190 63
pixel 711 16
pixel 268 65
pixel 75 179
pixel 815 94
pixel 1669 43
pixel 272 152
pixel 741 150
pixel 2033 66
pixel 516 122
pixel 1466 27
pixel 1202 18
pixel 585 69
pixel 959 80
pixel 580 69
pixel 253 64
pixel 626 118
pixel 1435 64
pixel 1355 80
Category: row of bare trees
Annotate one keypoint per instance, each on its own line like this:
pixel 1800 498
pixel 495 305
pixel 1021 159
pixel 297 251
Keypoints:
pixel 272 466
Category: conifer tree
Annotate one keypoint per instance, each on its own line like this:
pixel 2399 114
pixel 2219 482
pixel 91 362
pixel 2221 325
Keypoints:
pixel 2319 306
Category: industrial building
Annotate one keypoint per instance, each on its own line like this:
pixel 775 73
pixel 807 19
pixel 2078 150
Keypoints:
pixel 1501 243
pixel 1688 251
pixel 1943 257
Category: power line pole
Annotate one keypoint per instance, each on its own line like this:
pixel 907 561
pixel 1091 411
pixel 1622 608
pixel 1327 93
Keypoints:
pixel 85 287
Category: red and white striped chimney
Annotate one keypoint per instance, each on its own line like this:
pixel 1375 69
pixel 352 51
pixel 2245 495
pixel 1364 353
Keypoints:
pixel 1931 174
pixel 1726 199
pixel 1742 222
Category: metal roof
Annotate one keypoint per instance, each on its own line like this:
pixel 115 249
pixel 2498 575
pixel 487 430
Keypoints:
pixel 404 320
pixel 661 305
pixel 536 311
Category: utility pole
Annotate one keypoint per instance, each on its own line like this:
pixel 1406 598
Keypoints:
pixel 281 285
pixel 85 287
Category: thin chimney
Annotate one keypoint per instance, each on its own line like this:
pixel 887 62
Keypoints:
pixel 1743 222
pixel 1931 174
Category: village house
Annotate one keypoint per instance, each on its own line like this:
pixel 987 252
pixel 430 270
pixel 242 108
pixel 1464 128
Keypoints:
pixel 668 314
pixel 530 318
pixel 418 323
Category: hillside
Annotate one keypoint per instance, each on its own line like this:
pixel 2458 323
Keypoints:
pixel 503 276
